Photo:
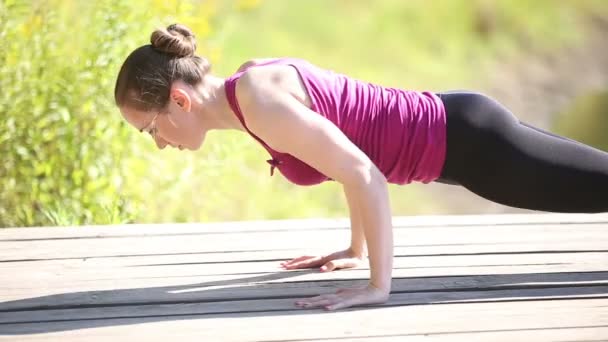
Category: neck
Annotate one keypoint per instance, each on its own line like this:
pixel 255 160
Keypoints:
pixel 213 105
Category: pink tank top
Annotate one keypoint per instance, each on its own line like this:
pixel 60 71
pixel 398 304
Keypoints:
pixel 402 132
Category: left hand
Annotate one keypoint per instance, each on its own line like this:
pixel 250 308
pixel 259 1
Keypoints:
pixel 347 258
pixel 345 298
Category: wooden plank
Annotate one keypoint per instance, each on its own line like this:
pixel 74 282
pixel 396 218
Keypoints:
pixel 150 267
pixel 57 296
pixel 274 306
pixel 167 288
pixel 267 261
pixel 80 273
pixel 186 266
pixel 19 258
pixel 414 239
pixel 198 281
pixel 575 319
pixel 586 334
pixel 212 248
pixel 211 290
pixel 295 225
pixel 102 273
pixel 180 329
pixel 126 232
pixel 236 296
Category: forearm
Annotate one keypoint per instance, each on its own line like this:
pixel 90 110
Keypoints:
pixel 357 235
pixel 372 203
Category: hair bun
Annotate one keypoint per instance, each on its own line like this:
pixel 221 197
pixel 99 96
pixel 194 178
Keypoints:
pixel 176 40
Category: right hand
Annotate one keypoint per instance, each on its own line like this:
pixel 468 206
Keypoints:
pixel 338 260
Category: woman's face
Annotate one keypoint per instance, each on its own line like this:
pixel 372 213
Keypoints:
pixel 175 127
pixel 178 125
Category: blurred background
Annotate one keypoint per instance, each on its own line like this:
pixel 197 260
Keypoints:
pixel 69 159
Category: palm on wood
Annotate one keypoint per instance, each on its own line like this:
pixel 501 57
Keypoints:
pixel 338 260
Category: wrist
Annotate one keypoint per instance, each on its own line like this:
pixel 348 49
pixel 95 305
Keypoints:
pixel 384 289
pixel 380 282
pixel 359 252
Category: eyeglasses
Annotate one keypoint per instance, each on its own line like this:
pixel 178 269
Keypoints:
pixel 151 127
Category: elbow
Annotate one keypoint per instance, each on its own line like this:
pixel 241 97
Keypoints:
pixel 377 178
pixel 365 177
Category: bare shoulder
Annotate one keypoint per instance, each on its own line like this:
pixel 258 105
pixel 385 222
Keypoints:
pixel 257 76
pixel 275 114
pixel 268 81
pixel 255 84
pixel 255 91
pixel 253 62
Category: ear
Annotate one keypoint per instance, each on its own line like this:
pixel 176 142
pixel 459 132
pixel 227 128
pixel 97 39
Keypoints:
pixel 180 97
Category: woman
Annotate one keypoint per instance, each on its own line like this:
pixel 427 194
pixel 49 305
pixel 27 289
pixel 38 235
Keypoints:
pixel 318 125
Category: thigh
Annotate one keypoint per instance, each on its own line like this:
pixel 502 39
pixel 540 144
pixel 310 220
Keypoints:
pixel 532 170
pixel 493 154
pixel 471 122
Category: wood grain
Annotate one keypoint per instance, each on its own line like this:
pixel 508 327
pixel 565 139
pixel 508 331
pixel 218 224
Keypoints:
pixel 520 277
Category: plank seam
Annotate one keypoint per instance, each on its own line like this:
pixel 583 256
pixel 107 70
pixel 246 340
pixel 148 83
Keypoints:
pixel 278 297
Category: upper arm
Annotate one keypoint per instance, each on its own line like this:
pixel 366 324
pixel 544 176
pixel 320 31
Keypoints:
pixel 286 125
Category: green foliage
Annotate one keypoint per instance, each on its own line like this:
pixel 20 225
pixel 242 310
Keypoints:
pixel 67 152
pixel 69 159
pixel 415 44
pixel 585 120
pixel 61 148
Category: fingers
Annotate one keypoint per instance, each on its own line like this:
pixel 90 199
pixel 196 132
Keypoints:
pixel 338 264
pixel 304 257
pixel 308 261
pixel 315 303
pixel 344 298
pixel 330 266
pixel 295 260
pixel 318 301
pixel 302 262
pixel 328 302
pixel 339 305
pixel 298 259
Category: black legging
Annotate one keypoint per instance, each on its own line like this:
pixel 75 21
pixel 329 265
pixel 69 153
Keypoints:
pixel 493 154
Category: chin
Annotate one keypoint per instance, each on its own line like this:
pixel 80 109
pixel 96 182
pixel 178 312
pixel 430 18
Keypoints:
pixel 198 145
pixel 194 147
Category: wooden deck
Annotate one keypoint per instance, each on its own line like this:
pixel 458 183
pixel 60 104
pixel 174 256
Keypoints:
pixel 523 277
